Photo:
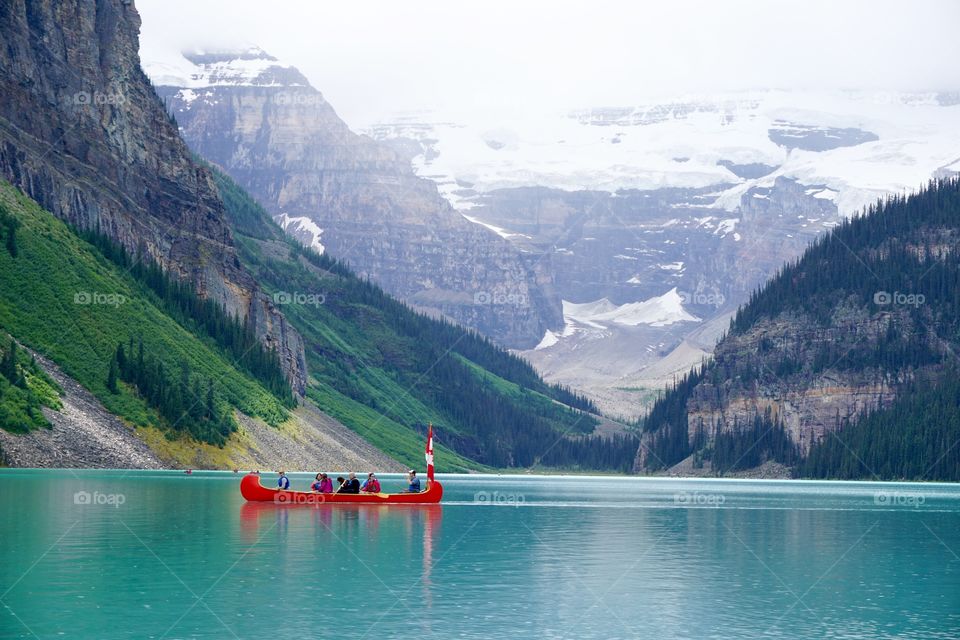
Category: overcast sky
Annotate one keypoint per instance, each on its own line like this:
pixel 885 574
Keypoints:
pixel 371 57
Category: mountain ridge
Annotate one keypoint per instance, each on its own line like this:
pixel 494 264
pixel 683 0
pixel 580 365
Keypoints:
pixel 284 143
pixel 83 133
pixel 839 337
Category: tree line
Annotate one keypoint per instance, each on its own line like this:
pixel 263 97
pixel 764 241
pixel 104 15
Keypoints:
pixel 445 335
pixel 24 390
pixel 186 402
pixel 8 230
pixel 916 438
pixel 879 297
pixel 202 316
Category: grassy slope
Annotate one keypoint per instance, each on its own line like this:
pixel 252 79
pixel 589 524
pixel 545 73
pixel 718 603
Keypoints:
pixel 20 408
pixel 37 306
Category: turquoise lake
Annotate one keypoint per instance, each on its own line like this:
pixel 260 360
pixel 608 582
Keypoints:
pixel 94 554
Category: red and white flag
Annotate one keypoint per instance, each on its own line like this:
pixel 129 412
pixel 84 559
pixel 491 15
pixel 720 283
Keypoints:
pixel 429 453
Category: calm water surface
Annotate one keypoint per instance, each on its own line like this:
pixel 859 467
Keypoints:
pixel 165 555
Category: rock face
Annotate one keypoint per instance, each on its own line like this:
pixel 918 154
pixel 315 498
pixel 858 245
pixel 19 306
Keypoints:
pixel 84 134
pixel 279 139
pixel 810 406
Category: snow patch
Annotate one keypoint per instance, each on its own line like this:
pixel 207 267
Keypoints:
pixel 187 95
pixel 500 231
pixel 549 339
pixel 658 311
pixel 303 229
pixel 726 226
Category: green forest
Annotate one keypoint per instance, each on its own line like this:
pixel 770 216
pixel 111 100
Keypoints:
pixel 878 296
pixel 71 301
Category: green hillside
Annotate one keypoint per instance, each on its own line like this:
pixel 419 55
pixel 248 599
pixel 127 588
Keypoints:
pixel 875 304
pixel 24 389
pixel 62 297
pixel 385 370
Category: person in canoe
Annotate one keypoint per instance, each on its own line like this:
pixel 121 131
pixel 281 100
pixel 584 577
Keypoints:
pixel 326 484
pixel 340 481
pixel 283 482
pixel 352 485
pixel 315 485
pixel 371 484
pixel 413 483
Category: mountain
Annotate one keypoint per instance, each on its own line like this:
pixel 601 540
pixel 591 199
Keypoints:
pixel 153 314
pixel 83 133
pixel 843 365
pixel 386 371
pixel 346 194
pixel 708 195
pixel 71 305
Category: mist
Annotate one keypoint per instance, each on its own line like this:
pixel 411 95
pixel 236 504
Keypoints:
pixel 371 58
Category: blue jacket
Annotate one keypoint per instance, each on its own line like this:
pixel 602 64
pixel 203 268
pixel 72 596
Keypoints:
pixel 283 482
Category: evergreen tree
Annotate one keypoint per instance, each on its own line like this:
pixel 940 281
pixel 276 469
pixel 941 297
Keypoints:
pixel 8 364
pixel 112 376
pixel 836 299
pixel 8 230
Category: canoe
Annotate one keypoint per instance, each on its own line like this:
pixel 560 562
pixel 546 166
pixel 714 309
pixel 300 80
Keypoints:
pixel 253 491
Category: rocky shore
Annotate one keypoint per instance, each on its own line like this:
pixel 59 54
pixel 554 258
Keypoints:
pixel 84 435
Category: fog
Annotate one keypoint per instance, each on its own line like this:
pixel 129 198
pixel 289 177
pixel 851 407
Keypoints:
pixel 371 58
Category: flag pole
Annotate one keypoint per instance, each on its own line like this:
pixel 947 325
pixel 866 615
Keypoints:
pixel 428 454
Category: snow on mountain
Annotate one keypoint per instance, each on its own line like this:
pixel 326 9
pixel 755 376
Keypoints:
pixel 503 233
pixel 303 229
pixel 245 67
pixel 655 312
pixel 861 146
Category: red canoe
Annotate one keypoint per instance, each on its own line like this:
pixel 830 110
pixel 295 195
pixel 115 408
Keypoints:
pixel 253 491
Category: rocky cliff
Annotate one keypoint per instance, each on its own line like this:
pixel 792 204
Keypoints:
pixel 353 197
pixel 83 133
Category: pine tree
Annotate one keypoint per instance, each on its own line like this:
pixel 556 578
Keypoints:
pixel 211 413
pixel 8 365
pixel 11 242
pixel 112 376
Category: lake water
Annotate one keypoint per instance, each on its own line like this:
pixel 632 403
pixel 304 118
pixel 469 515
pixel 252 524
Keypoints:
pixel 166 555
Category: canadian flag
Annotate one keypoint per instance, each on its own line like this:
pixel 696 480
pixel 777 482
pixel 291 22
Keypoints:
pixel 429 452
